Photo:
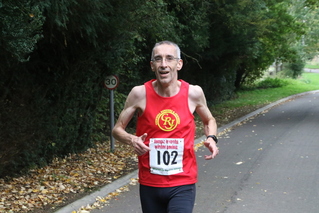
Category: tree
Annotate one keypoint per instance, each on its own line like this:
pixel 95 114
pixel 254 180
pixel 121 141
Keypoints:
pixel 56 56
pixel 52 75
pixel 21 23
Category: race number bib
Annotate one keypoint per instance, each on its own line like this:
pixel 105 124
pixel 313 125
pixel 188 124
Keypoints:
pixel 166 155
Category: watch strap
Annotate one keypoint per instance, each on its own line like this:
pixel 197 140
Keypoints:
pixel 213 137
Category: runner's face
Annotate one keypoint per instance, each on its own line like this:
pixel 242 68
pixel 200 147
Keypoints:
pixel 165 63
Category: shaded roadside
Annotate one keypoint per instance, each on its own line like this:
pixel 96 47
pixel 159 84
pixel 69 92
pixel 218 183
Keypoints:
pixel 129 201
pixel 267 164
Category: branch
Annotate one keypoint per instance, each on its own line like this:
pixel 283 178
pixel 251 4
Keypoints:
pixel 193 59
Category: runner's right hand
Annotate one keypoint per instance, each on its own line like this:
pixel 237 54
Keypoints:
pixel 139 146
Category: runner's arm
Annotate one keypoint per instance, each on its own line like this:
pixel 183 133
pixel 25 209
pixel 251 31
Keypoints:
pixel 132 104
pixel 209 122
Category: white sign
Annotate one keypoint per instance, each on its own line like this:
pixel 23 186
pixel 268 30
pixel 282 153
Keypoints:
pixel 111 82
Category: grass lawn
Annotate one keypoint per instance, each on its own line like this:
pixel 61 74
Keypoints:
pixel 312 66
pixel 249 100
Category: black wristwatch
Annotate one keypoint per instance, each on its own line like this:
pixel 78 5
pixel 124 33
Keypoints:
pixel 213 137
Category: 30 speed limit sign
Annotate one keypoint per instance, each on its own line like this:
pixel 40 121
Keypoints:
pixel 111 82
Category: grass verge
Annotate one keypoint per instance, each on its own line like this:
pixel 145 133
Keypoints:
pixel 248 100
pixel 312 66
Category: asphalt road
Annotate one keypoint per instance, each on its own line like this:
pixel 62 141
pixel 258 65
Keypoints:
pixel 311 70
pixel 267 164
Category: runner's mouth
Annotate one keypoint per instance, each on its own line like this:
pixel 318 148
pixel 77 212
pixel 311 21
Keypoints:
pixel 163 72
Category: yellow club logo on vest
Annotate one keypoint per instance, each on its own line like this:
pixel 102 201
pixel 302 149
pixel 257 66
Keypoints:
pixel 167 120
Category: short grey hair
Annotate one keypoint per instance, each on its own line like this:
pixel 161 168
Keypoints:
pixel 169 43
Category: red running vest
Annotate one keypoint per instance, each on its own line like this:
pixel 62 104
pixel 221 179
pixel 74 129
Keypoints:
pixel 171 132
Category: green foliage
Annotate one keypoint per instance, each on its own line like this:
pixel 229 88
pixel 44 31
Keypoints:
pixel 312 3
pixel 276 30
pixel 21 28
pixel 56 54
pixel 296 68
pixel 101 125
pixel 271 83
pixel 48 105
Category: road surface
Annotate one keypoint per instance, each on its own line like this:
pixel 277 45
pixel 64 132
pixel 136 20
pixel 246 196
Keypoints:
pixel 267 164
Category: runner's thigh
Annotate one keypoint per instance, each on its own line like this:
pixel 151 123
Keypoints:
pixel 182 199
pixel 154 199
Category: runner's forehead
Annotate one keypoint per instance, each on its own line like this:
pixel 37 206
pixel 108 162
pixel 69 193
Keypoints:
pixel 165 50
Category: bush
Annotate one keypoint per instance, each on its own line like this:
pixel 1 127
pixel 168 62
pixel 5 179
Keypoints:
pixel 296 68
pixel 271 83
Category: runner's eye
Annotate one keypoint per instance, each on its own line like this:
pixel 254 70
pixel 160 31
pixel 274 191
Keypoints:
pixel 168 59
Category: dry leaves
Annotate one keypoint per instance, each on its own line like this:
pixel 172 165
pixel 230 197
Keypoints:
pixel 104 201
pixel 53 184
pixel 76 174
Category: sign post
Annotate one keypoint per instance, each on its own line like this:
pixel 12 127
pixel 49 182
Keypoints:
pixel 110 83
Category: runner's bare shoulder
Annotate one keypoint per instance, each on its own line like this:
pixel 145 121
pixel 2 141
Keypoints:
pixel 195 92
pixel 137 97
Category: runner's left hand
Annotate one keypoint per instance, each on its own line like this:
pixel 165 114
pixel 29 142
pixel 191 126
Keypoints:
pixel 211 145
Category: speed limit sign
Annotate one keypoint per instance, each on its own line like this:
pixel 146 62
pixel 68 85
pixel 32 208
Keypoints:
pixel 111 82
